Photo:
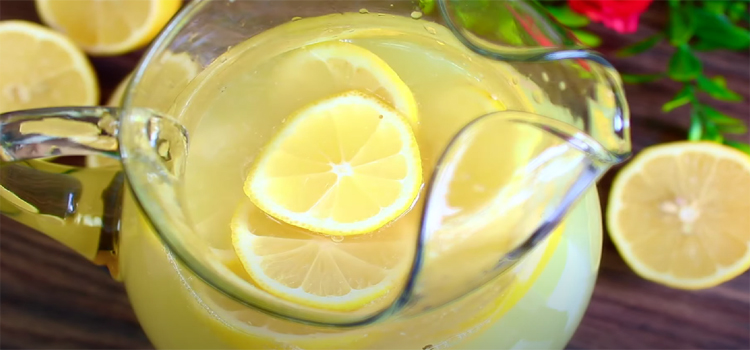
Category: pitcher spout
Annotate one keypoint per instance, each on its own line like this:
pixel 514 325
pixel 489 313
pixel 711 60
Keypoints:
pixel 503 184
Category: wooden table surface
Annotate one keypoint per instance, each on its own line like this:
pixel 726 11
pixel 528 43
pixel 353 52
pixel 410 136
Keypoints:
pixel 52 298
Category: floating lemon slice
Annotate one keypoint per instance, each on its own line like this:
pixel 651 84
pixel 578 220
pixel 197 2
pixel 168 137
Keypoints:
pixel 323 69
pixel 342 274
pixel 243 327
pixel 108 27
pixel 43 69
pixel 459 103
pixel 678 214
pixel 346 165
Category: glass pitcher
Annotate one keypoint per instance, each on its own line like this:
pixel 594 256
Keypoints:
pixel 515 125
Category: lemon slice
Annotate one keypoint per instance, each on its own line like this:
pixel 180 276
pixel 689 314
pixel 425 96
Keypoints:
pixel 319 70
pixel 346 165
pixel 456 105
pixel 43 69
pixel 108 27
pixel 333 273
pixel 678 214
pixel 243 327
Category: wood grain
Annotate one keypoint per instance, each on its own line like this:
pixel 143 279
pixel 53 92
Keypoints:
pixel 50 298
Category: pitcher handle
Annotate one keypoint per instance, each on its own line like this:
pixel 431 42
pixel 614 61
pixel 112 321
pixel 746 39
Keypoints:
pixel 79 207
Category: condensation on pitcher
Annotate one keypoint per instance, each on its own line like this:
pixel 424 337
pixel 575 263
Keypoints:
pixel 294 19
pixel 430 30
pixel 363 11
pixel 514 80
pixel 537 96
pixel 562 86
pixel 416 14
pixel 545 77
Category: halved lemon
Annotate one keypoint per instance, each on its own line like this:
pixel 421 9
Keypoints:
pixel 678 214
pixel 319 70
pixel 115 99
pixel 42 68
pixel 346 165
pixel 333 273
pixel 108 27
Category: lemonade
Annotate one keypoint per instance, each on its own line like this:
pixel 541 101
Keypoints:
pixel 415 76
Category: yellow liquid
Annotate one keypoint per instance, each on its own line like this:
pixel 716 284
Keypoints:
pixel 238 103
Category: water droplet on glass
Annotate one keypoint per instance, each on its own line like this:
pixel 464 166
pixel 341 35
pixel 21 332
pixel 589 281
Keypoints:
pixel 562 85
pixel 416 14
pixel 363 11
pixel 337 239
pixel 538 96
pixel 545 77
pixel 296 18
pixel 514 80
pixel 430 29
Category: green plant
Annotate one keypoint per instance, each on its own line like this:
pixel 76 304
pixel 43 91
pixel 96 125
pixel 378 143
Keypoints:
pixel 575 23
pixel 700 26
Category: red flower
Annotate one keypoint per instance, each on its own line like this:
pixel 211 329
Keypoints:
pixel 620 15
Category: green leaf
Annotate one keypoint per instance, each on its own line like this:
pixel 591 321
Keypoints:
pixel 568 17
pixel 683 65
pixel 719 31
pixel 587 38
pixel 716 90
pixel 427 6
pixel 696 126
pixel 737 129
pixel 719 80
pixel 718 117
pixel 640 46
pixel 674 3
pixel 640 78
pixel 737 11
pixel 702 45
pixel 711 132
pixel 738 145
pixel 717 7
pixel 681 25
pixel 683 97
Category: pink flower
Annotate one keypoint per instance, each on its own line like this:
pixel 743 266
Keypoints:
pixel 620 15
